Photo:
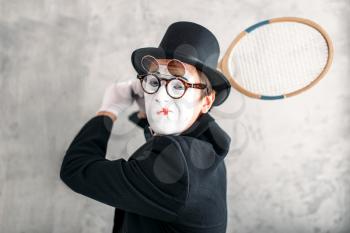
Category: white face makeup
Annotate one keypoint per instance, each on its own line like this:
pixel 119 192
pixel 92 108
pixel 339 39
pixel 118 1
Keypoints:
pixel 172 116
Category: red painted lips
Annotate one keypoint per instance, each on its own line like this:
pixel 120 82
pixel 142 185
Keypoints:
pixel 164 111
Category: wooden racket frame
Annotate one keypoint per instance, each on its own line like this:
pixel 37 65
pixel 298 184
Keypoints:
pixel 223 64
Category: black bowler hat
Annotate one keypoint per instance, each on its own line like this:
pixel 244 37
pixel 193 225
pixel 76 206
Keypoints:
pixel 193 44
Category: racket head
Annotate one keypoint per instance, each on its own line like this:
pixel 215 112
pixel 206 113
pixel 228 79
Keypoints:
pixel 261 46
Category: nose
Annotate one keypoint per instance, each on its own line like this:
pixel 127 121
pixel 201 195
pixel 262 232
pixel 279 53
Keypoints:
pixel 162 96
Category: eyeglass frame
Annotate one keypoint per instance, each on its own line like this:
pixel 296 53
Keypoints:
pixel 180 78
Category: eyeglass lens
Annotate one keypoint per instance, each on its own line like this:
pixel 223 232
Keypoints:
pixel 149 64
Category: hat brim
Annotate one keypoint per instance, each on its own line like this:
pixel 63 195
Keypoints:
pixel 218 81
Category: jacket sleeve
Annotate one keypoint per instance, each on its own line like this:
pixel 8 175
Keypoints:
pixel 152 183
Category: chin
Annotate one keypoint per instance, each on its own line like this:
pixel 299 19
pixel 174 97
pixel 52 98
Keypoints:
pixel 160 129
pixel 163 131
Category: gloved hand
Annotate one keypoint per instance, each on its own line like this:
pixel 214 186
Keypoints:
pixel 120 95
pixel 138 94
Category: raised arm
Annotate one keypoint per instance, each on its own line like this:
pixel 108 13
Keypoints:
pixel 153 182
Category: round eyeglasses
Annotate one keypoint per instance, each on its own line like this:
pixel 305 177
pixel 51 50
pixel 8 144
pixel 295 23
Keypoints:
pixel 176 87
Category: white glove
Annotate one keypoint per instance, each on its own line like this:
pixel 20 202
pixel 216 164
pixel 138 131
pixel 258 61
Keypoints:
pixel 121 95
pixel 117 97
pixel 139 97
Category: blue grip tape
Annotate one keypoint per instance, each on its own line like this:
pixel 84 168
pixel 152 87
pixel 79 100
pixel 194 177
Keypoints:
pixel 266 97
pixel 255 26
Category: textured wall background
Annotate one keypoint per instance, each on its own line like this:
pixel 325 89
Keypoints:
pixel 289 164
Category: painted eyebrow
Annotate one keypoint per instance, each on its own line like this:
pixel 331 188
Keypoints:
pixel 180 77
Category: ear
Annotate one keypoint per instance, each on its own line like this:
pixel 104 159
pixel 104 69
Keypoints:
pixel 207 102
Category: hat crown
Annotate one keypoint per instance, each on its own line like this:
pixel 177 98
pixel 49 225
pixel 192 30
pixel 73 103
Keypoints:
pixel 191 40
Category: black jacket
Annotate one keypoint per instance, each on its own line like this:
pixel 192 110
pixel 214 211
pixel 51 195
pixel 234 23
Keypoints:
pixel 171 183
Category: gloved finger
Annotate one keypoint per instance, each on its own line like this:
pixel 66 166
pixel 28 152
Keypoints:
pixel 138 94
pixel 136 88
pixel 141 103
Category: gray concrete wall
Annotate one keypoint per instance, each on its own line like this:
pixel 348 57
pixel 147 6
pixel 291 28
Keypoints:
pixel 289 164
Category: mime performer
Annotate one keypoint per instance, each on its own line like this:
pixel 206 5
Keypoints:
pixel 176 181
